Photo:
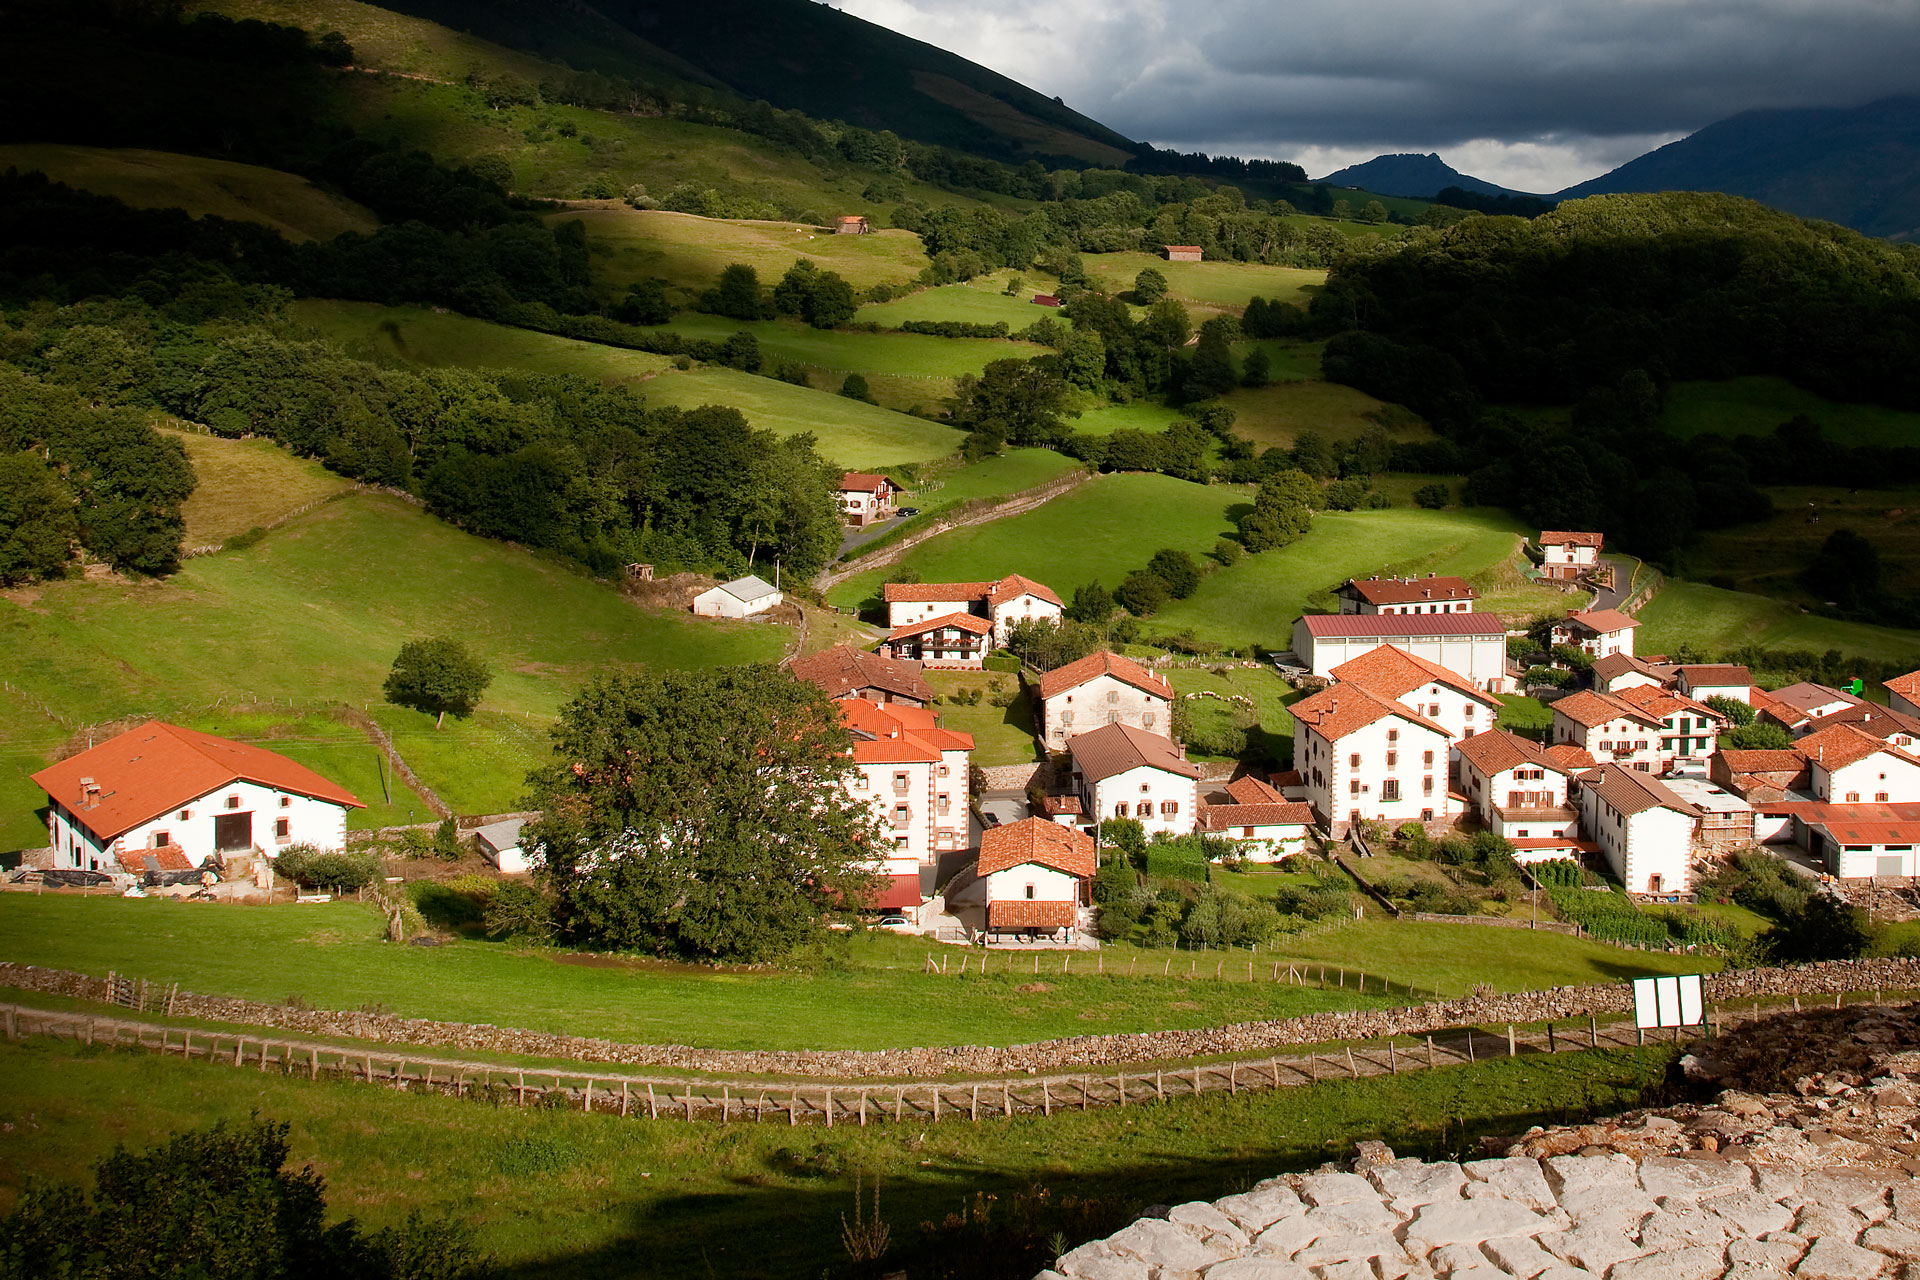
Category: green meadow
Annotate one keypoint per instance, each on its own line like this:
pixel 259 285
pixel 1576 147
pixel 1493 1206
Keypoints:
pixel 850 432
pixel 1219 286
pixel 981 300
pixel 1755 406
pixel 1714 620
pixel 1270 695
pixel 1256 601
pixel 291 205
pixel 910 355
pixel 689 252
pixel 1771 556
pixel 1104 529
pixel 247 484
pixel 1277 415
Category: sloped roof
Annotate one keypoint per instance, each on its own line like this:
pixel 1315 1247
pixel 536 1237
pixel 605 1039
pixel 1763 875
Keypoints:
pixel 1715 673
pixel 1116 748
pixel 1040 842
pixel 933 592
pixel 166 857
pixel 1019 913
pixel 1250 790
pixel 1563 538
pixel 156 766
pixel 1286 813
pixel 1326 625
pixel 502 835
pixel 1603 621
pixel 1839 745
pixel 1393 672
pixel 1497 750
pixel 1763 760
pixel 1807 697
pixel 1631 791
pixel 1379 591
pixel 1615 665
pixel 1094 665
pixel 1013 586
pixel 892 734
pixel 1881 722
pixel 843 670
pixel 1589 709
pixel 748 589
pixel 964 621
pixel 1907 686
pixel 1662 702
pixel 1341 709
pixel 1566 757
pixel 863 482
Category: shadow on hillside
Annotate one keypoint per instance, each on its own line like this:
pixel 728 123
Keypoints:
pixel 958 1221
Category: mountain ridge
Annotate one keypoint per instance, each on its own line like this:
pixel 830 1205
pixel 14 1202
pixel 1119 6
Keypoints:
pixel 1412 175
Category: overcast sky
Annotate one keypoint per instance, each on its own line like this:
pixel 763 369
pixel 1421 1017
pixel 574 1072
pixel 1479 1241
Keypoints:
pixel 1533 94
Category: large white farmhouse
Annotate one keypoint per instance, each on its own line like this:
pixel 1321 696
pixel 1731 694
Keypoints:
pixel 1644 829
pixel 1362 755
pixel 180 797
pixel 1101 689
pixel 1473 645
pixel 1445 697
pixel 1037 874
pixel 1123 772
pixel 1009 600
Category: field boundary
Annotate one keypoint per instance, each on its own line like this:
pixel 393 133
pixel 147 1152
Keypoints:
pixel 915 1101
pixel 1012 505
pixel 1109 1050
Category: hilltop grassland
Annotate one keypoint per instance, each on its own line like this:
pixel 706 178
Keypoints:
pixel 690 252
pixel 289 204
pixel 981 300
pixel 1714 621
pixel 850 432
pixel 937 361
pixel 1214 286
pixel 247 484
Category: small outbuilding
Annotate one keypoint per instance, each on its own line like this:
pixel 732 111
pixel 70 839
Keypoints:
pixel 851 224
pixel 1038 875
pixel 741 598
pixel 499 842
pixel 1184 253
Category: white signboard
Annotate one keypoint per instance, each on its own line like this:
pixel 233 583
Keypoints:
pixel 1668 1002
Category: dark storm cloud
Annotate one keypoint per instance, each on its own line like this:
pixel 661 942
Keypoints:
pixel 1581 79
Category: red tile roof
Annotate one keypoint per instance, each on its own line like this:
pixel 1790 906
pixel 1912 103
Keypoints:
pixel 1250 790
pixel 1563 538
pixel 1409 590
pixel 1116 748
pixel 894 734
pixel 1392 672
pixel 933 592
pixel 1603 621
pixel 1019 913
pixel 1615 665
pixel 1881 722
pixel 1715 673
pixel 1093 666
pixel 142 773
pixel 1041 843
pixel 1662 702
pixel 168 857
pixel 897 891
pixel 1567 757
pixel 863 482
pixel 1342 709
pixel 963 621
pixel 1013 586
pixel 1497 751
pixel 1907 686
pixel 1763 760
pixel 1287 813
pixel 1590 709
pixel 1839 745
pixel 1631 791
pixel 1321 625
pixel 843 671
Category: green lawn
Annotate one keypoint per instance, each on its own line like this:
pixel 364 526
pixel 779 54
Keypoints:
pixel 1278 414
pixel 1216 285
pixel 312 615
pixel 1001 735
pixel 1715 621
pixel 333 748
pixel 1755 406
pixel 1288 359
pixel 840 351
pixel 289 204
pixel 1273 736
pixel 1256 601
pixel 560 1194
pixel 1104 529
pixel 1002 474
pixel 1139 416
pixel 982 300
pixel 689 253
pixel 247 484
pixel 1523 715
pixel 850 432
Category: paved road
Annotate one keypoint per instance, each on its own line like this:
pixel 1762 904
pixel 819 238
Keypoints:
pixel 1610 597
pixel 856 536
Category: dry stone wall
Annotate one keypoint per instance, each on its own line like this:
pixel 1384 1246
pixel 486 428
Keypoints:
pixel 1558 1004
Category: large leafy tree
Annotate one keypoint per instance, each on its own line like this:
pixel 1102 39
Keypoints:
pixel 704 814
pixel 1021 401
pixel 437 676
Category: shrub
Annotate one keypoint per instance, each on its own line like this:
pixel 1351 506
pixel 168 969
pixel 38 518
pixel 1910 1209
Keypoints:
pixel 1608 916
pixel 445 907
pixel 312 868
pixel 518 911
pixel 1432 497
pixel 1228 552
pixel 1176 860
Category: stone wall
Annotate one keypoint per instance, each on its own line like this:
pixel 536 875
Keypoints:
pixel 1558 1004
pixel 1014 777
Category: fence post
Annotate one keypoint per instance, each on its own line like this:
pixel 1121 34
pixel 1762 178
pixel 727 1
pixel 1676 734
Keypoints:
pixel 899 1104
pixel 973 1109
pixel 586 1095
pixel 1393 1061
pixel 1046 1099
pixel 1550 1044
pixel 830 1104
pixel 653 1107
pixel 1273 1069
pixel 1593 1031
pixel 1511 1049
pixel 1352 1070
pixel 1429 1051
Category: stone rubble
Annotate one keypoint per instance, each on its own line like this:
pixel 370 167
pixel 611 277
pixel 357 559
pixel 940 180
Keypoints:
pixel 1804 1162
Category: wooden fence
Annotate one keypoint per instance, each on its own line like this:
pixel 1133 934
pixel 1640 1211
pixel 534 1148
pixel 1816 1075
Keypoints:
pixel 751 1102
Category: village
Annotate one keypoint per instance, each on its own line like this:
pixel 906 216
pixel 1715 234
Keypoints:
pixel 1396 724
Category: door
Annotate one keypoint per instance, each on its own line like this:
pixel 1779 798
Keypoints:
pixel 232 832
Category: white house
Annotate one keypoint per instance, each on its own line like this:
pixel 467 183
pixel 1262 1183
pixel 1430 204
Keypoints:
pixel 1645 726
pixel 1642 827
pixel 1618 672
pixel 1445 697
pixel 1903 693
pixel 1796 707
pixel 1689 730
pixel 1848 765
pixel 1597 632
pixel 1365 756
pixel 741 598
pixel 1473 645
pixel 1568 554
pixel 1431 594
pixel 1520 794
pixel 160 787
pixel 1701 681
pixel 500 844
pixel 915 776
pixel 1003 602
pixel 950 642
pixel 1037 875
pixel 865 498
pixel 1123 772
pixel 1262 822
pixel 1100 689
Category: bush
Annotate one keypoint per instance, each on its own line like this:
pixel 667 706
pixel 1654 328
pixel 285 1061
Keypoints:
pixel 1228 552
pixel 518 911
pixel 1432 497
pixel 1737 712
pixel 445 907
pixel 1820 928
pixel 1560 873
pixel 1610 917
pixel 1176 860
pixel 312 868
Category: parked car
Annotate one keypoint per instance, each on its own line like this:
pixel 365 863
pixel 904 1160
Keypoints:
pixel 898 922
pixel 904 512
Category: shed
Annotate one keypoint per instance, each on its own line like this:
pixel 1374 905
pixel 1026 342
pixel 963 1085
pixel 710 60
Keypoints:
pixel 741 598
pixel 1183 253
pixel 1045 300
pixel 851 224
pixel 500 842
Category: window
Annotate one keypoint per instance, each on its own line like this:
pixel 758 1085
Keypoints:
pixel 1145 787
pixel 1639 744
pixel 185 814
pixel 1393 759
pixel 1853 797
pixel 944 805
pixel 899 842
pixel 1426 815
pixel 1066 717
pixel 1146 720
pixel 899 784
pixel 1880 796
pixel 162 838
pixel 1113 695
pixel 1113 717
pixel 1353 787
pixel 1144 809
pixel 1467 731
pixel 1393 735
pixel 1390 790
pixel 1168 808
pixel 286 802
pixel 282 829
pixel 233 802
pixel 1426 785
pixel 944 771
pixel 1428 761
pixel 1120 810
pixel 1029 893
pixel 861 782
pixel 1433 708
pixel 1353 761
pixel 1469 711
pixel 1605 745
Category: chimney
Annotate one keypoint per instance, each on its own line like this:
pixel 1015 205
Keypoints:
pixel 89 793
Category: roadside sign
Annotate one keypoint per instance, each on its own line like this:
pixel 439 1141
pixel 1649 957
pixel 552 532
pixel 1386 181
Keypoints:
pixel 1668 1002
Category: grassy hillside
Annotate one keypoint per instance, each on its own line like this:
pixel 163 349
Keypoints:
pixel 1219 286
pixel 1714 620
pixel 312 615
pixel 1278 414
pixel 1105 529
pixel 1755 406
pixel 850 432
pixel 981 300
pixel 908 355
pixel 291 205
pixel 1769 557
pixel 1256 601
pixel 689 253
pixel 247 484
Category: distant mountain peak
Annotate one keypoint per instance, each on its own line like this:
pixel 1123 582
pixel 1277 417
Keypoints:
pixel 1420 177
